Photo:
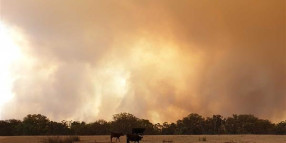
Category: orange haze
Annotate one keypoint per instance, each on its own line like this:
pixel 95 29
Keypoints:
pixel 159 60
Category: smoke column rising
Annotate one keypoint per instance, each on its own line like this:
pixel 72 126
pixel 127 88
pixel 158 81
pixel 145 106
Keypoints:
pixel 158 60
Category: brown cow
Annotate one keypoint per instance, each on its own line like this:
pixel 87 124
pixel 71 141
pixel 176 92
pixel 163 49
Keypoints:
pixel 115 135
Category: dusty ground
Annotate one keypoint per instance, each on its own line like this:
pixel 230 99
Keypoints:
pixel 159 139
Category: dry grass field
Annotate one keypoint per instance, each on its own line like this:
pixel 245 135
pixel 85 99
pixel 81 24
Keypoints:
pixel 161 138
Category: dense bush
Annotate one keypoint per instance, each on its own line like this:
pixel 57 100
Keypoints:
pixel 38 124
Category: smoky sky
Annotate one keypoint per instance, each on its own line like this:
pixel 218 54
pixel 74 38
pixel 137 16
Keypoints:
pixel 159 60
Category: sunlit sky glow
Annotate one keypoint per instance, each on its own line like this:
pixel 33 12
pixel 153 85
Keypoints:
pixel 10 52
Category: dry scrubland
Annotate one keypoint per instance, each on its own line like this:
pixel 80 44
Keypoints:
pixel 160 138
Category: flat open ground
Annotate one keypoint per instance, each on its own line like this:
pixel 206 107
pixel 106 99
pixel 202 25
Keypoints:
pixel 160 138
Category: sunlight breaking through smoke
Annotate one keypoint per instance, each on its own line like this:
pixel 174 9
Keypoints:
pixel 9 53
pixel 161 61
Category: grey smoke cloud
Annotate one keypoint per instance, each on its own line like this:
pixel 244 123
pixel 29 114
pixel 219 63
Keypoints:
pixel 159 60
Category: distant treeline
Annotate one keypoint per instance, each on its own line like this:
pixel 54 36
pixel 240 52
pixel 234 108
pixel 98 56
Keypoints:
pixel 38 124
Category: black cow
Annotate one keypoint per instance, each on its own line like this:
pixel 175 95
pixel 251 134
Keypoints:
pixel 115 135
pixel 134 138
pixel 138 131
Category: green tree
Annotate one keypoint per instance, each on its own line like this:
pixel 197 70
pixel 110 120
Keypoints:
pixel 263 127
pixel 55 128
pixel 150 128
pixel 100 127
pixel 124 122
pixel 35 124
pixel 192 124
pixel 168 129
pixel 78 128
pixel 281 128
pixel 214 125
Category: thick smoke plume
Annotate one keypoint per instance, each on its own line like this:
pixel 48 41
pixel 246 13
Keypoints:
pixel 159 60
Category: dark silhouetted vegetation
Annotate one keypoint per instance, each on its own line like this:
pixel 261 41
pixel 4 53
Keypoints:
pixel 38 124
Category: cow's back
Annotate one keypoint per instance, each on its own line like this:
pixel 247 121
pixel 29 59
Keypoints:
pixel 133 137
